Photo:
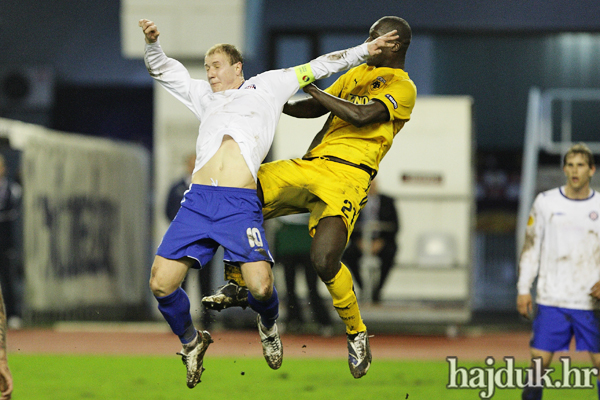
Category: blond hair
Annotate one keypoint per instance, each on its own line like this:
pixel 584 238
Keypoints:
pixel 584 150
pixel 229 50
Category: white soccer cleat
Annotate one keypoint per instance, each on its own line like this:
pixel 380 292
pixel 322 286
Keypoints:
pixel 359 354
pixel 194 359
pixel 271 343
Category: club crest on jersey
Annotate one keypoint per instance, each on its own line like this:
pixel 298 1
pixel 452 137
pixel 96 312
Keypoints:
pixel 377 83
pixel 253 86
pixel 593 215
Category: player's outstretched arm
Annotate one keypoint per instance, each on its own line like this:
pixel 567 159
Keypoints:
pixel 150 30
pixel 358 115
pixel 329 64
pixel 304 108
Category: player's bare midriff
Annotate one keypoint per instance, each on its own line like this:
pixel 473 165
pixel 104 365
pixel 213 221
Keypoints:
pixel 226 168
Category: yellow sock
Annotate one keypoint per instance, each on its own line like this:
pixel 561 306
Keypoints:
pixel 344 300
pixel 234 273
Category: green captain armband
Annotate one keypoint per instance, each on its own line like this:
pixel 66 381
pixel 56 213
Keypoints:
pixel 304 74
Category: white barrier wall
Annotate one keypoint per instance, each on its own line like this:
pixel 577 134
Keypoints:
pixel 86 219
pixel 429 170
pixel 188 27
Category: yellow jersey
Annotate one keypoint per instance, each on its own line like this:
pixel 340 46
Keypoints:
pixel 360 85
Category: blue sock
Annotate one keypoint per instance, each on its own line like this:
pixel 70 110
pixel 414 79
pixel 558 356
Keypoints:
pixel 532 393
pixel 268 310
pixel 176 310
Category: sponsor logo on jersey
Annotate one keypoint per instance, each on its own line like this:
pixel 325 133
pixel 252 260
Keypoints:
pixel 391 99
pixel 593 215
pixel 358 99
pixel 253 86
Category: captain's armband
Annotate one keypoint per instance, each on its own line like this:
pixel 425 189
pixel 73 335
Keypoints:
pixel 304 74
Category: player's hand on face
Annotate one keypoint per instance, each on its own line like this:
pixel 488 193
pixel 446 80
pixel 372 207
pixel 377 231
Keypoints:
pixel 525 305
pixel 386 40
pixel 595 292
pixel 150 30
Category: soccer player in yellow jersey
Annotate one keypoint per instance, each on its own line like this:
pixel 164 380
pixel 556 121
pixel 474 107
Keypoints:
pixel 369 105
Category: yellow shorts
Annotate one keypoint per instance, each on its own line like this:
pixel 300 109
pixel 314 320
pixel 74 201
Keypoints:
pixel 322 187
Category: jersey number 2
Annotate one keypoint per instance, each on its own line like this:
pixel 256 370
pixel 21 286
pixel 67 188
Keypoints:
pixel 347 209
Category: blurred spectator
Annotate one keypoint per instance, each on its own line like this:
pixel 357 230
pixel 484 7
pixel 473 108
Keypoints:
pixel 380 217
pixel 178 189
pixel 292 251
pixel 10 202
pixel 173 203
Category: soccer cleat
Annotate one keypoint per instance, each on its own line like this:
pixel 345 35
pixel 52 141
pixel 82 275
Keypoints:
pixel 359 354
pixel 194 359
pixel 271 343
pixel 229 295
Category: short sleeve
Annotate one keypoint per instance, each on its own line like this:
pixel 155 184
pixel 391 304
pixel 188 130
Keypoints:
pixel 399 98
pixel 338 86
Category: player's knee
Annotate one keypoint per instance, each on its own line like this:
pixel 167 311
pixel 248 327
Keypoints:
pixel 261 291
pixel 159 287
pixel 326 265
pixel 154 286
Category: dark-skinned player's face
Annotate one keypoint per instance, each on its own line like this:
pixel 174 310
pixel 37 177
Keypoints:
pixel 378 29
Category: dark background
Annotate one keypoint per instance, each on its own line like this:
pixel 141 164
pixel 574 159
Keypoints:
pixel 493 50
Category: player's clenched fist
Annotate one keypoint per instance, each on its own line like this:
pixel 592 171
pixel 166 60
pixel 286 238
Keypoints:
pixel 150 30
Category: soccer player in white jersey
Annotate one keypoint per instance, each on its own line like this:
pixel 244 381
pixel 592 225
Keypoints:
pixel 562 249
pixel 238 118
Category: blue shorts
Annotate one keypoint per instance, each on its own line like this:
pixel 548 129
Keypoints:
pixel 554 327
pixel 211 216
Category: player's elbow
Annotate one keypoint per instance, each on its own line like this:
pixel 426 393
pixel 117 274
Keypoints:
pixel 359 119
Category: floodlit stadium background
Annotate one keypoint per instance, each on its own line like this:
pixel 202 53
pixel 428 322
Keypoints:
pixel 96 145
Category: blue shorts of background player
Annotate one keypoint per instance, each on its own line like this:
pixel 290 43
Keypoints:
pixel 554 327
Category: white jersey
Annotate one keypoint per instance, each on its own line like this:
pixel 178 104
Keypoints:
pixel 562 248
pixel 250 113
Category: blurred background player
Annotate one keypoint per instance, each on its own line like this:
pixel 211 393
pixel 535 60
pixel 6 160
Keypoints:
pixel 292 249
pixel 562 249
pixel 174 198
pixel 10 203
pixel 378 219
pixel 5 374
pixel 178 188
pixel 369 105
pixel 238 118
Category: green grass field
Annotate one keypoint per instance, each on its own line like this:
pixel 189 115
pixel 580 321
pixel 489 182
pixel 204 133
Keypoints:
pixel 63 377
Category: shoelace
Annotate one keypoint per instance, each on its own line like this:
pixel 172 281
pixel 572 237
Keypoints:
pixel 272 342
pixel 359 347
